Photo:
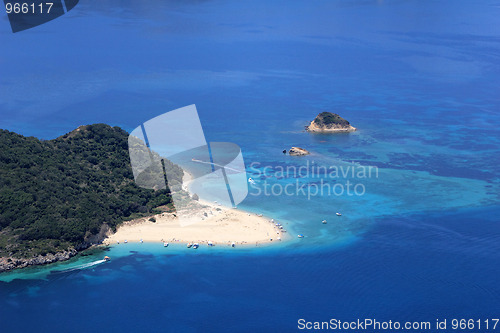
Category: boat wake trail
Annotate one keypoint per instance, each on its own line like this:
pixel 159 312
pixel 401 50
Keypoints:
pixel 82 266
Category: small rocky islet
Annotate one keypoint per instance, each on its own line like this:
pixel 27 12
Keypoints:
pixel 327 122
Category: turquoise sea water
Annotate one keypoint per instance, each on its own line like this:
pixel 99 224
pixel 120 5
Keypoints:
pixel 418 79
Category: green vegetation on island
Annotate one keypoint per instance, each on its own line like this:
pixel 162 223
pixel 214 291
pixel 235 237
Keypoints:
pixel 328 118
pixel 327 122
pixel 64 194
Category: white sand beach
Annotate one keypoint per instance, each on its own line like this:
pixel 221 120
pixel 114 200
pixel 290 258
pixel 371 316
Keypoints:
pixel 222 225
pixel 207 222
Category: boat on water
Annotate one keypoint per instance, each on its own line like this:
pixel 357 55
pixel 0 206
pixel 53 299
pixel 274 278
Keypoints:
pixel 210 243
pixel 324 221
pixel 233 244
pixel 338 214
pixel 300 236
pixel 189 245
pixel 196 245
pixel 106 258
pixel 165 244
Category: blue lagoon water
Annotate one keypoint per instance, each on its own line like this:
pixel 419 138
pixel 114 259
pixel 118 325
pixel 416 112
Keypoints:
pixel 418 79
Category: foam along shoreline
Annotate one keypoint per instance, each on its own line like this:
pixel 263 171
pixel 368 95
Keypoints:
pixel 220 226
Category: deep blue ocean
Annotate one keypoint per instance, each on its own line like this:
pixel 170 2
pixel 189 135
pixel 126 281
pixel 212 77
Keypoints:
pixel 419 79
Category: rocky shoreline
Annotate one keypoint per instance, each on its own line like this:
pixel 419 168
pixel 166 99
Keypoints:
pixel 313 128
pixel 297 151
pixel 10 263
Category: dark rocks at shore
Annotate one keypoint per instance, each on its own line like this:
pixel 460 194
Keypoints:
pixel 10 263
